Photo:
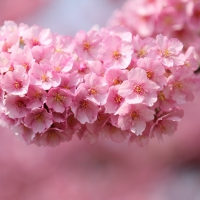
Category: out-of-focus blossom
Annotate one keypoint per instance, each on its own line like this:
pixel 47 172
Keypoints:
pixel 175 19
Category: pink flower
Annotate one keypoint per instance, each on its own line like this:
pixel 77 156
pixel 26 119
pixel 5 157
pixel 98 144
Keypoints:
pixel 117 30
pixel 116 53
pixel 115 76
pixel 165 102
pixel 154 70
pixel 96 87
pixel 114 101
pixel 168 50
pixel 189 59
pixel 141 140
pixel 87 44
pixel 69 82
pixel 16 106
pixel 23 57
pixel 169 18
pixel 109 131
pixel 37 97
pixel 38 119
pixel 43 76
pixel 41 53
pixel 84 110
pixel 24 132
pixel 58 99
pixel 36 36
pixel 5 62
pixel 52 137
pixel 61 63
pixel 182 85
pixel 16 82
pixel 142 47
pixel 97 125
pixel 166 124
pixel 63 44
pixel 134 117
pixel 138 88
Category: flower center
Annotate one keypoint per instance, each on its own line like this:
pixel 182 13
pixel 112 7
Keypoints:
pixel 178 85
pixel 35 42
pixel 57 68
pixel 161 96
pixel 18 85
pixel 58 98
pixel 86 46
pixel 139 89
pixel 116 55
pixel 150 74
pixel 20 104
pixel 166 53
pixel 39 117
pixel 92 91
pixel 84 104
pixel 134 115
pixel 118 99
pixel 117 81
pixel 141 53
pixel 44 78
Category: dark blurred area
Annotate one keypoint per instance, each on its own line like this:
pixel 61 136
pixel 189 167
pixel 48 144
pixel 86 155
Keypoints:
pixel 105 170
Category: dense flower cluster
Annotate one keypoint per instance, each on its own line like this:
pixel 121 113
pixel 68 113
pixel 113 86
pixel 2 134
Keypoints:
pixel 173 18
pixel 99 84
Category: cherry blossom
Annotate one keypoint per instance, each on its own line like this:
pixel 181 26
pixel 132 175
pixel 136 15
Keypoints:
pixel 101 84
pixel 138 88
pixel 134 117
pixel 16 106
pixel 87 44
pixel 58 100
pixel 115 52
pixel 38 120
pixel 16 82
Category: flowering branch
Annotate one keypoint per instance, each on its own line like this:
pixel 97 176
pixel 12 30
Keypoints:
pixel 99 84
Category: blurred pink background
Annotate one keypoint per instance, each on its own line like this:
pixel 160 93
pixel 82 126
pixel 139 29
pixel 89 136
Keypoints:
pixel 106 170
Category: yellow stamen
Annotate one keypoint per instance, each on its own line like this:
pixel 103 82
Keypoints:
pixel 92 91
pixel 141 53
pixel 57 68
pixel 150 74
pixel 44 78
pixel 116 55
pixel 178 85
pixel 134 115
pixel 35 42
pixel 20 103
pixel 17 85
pixel 86 46
pixel 161 96
pixel 38 95
pixel 118 99
pixel 25 65
pixel 84 104
pixel 58 98
pixel 117 81
pixel 11 68
pixel 139 89
pixel 166 53
pixel 39 117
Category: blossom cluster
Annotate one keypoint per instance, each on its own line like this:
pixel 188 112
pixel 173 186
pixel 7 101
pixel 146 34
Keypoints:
pixel 173 18
pixel 99 84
